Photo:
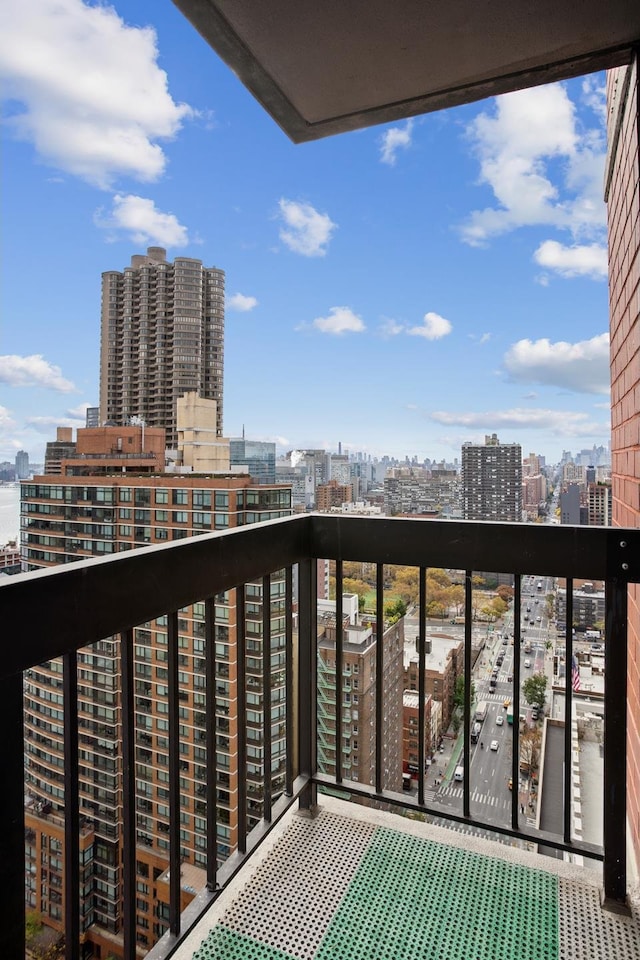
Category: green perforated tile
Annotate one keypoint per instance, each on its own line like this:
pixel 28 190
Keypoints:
pixel 224 944
pixel 412 899
pixel 397 897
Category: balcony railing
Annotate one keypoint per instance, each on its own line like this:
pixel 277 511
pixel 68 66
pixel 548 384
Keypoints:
pixel 54 613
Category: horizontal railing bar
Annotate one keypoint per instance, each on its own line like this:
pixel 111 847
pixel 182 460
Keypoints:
pixel 594 553
pixel 93 599
pixel 411 804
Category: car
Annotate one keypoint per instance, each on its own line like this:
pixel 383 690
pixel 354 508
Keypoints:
pixel 534 714
pixel 494 745
pixel 499 720
pixel 510 783
pixel 504 641
pixel 506 703
pixel 538 619
pixel 527 662
pixel 510 678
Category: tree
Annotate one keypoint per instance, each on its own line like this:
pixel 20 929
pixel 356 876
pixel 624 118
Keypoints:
pixel 395 610
pixel 458 693
pixel 534 689
pixel 530 742
pixel 505 592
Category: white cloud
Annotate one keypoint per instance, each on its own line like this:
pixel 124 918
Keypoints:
pixel 47 424
pixel 79 412
pixel 389 327
pixel 143 222
pixel 305 231
pixel 434 327
pixel 86 89
pixel 33 371
pixel 6 420
pixel 588 260
pixel 558 422
pixel 241 303
pixel 582 367
pixel 340 320
pixel 394 139
pixel 594 94
pixel 517 144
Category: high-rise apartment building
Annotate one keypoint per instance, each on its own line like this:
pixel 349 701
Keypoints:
pixel 492 480
pixel 123 504
pixel 162 336
pixel 22 465
pixel 599 504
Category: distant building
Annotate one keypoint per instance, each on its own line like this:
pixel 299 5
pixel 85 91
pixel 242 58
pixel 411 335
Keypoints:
pixel 492 480
pixel 444 663
pixel 92 417
pixel 588 606
pixel 599 504
pixel 333 494
pixel 257 456
pixel 414 490
pixel 22 465
pixel 570 505
pixel 411 727
pixel 62 448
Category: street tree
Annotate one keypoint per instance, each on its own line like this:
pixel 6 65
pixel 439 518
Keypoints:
pixel 534 689
pixel 458 692
pixel 505 592
pixel 395 610
pixel 530 741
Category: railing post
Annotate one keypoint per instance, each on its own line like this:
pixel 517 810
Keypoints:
pixel 615 744
pixel 307 679
pixel 12 912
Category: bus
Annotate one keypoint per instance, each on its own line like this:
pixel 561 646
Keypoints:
pixel 510 714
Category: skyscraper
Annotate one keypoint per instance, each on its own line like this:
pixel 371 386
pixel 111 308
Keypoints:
pixel 162 336
pixel 492 480
pixel 22 465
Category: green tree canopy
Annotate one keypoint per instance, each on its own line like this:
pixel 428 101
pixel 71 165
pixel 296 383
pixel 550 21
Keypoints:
pixel 534 689
pixel 458 693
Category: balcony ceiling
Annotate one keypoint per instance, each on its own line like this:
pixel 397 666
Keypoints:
pixel 328 66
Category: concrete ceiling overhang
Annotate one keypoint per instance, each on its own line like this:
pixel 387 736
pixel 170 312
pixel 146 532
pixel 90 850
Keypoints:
pixel 321 67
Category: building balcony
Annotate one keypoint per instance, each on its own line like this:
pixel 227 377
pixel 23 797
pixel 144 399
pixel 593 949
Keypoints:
pixel 379 877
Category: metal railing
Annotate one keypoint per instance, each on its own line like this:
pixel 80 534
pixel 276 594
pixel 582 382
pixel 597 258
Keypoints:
pixel 54 613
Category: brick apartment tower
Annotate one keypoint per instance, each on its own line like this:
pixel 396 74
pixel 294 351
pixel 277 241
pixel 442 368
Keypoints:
pixel 622 194
pixel 162 335
pixel 109 497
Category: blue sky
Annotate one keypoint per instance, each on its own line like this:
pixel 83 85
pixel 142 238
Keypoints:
pixel 400 289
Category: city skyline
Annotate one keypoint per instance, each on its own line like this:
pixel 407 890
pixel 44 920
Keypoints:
pixel 417 277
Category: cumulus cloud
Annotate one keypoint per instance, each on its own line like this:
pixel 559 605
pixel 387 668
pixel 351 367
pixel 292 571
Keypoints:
pixel 305 231
pixel 79 412
pixel 340 320
pixel 519 143
pixel 433 327
pixel 560 422
pixel 33 371
pixel 86 89
pixel 241 303
pixel 582 367
pixel 47 424
pixel 142 221
pixel 389 327
pixel 588 260
pixel 6 420
pixel 394 139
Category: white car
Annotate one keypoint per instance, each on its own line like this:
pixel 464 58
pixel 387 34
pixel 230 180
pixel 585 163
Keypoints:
pixel 494 745
pixel 499 720
pixel 527 662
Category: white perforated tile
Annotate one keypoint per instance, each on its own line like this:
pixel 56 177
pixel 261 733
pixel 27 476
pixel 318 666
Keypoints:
pixel 587 932
pixel 305 875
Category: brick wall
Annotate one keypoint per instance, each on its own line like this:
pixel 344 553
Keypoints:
pixel 622 186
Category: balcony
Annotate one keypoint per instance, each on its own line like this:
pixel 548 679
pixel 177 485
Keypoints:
pixel 330 882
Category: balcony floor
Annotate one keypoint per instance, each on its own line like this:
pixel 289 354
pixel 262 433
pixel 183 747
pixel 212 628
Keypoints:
pixel 358 884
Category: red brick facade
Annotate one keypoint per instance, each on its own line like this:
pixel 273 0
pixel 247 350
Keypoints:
pixel 623 200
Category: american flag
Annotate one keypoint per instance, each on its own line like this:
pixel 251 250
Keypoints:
pixel 575 674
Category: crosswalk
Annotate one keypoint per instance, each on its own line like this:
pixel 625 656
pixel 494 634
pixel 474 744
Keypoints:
pixel 498 803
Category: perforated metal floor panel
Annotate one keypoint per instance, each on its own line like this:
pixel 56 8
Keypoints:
pixel 335 888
